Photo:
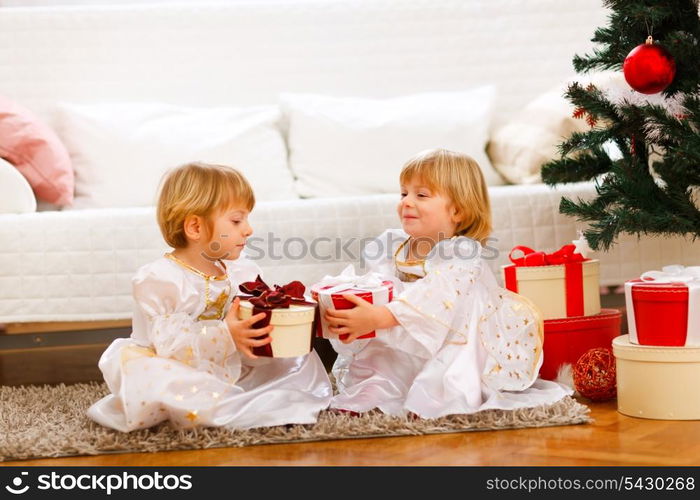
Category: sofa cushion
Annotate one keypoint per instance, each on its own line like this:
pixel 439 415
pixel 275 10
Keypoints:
pixel 352 146
pixel 121 150
pixel 36 151
pixel 520 147
pixel 16 195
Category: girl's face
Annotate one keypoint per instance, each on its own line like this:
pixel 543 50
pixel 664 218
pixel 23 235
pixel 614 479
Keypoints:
pixel 425 213
pixel 231 229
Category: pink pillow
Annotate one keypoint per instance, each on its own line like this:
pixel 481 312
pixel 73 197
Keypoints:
pixel 37 152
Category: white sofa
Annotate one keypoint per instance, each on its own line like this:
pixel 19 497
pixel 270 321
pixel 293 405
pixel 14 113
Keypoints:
pixel 76 264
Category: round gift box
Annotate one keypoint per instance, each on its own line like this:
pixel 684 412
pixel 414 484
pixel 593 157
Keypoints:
pixel 657 382
pixel 546 287
pixel 340 302
pixel 660 313
pixel 292 334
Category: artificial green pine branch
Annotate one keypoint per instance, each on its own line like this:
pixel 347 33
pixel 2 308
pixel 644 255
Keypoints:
pixel 585 167
pixel 592 100
pixel 586 141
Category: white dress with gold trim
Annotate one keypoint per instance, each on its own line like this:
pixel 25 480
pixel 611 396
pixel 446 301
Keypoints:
pixel 464 344
pixel 180 363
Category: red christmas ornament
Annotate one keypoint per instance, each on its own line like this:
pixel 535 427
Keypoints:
pixel 594 374
pixel 649 68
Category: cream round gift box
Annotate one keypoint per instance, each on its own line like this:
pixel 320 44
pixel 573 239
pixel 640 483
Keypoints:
pixel 292 333
pixel 657 382
pixel 546 287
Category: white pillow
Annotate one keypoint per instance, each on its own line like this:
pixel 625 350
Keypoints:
pixel 16 195
pixel 520 147
pixel 121 150
pixel 353 146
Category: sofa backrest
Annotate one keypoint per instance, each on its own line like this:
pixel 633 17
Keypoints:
pixel 246 53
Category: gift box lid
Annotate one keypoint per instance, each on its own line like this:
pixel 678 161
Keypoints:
pixel 624 349
pixel 351 289
pixel 605 319
pixel 589 267
pixel 666 292
pixel 293 315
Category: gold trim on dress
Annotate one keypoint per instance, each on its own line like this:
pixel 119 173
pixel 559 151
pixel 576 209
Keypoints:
pixel 403 275
pixel 442 323
pixel 197 271
pixel 414 262
pixel 220 303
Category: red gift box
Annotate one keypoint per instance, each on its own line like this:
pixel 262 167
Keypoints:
pixel 382 295
pixel 567 339
pixel 660 313
pixel 662 307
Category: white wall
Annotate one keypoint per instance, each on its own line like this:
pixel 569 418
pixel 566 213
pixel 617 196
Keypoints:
pixel 246 53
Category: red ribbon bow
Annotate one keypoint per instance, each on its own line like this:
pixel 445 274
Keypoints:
pixel 564 255
pixel 266 298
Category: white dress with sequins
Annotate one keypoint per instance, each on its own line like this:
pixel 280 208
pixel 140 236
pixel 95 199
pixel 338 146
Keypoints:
pixel 463 343
pixel 180 363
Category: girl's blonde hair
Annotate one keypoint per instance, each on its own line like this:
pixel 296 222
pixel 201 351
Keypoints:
pixel 199 189
pixel 459 178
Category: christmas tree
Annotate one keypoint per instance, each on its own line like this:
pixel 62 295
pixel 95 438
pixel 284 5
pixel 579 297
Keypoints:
pixel 642 152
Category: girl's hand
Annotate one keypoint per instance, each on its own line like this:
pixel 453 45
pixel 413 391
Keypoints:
pixel 363 318
pixel 243 333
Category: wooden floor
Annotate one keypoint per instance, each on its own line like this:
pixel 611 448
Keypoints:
pixel 613 439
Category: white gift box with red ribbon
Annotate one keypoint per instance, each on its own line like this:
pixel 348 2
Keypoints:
pixel 561 284
pixel 658 304
pixel 330 290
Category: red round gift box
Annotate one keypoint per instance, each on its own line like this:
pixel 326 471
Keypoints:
pixel 567 339
pixel 340 302
pixel 660 313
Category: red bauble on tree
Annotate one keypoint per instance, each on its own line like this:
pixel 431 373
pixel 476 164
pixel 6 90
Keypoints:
pixel 649 68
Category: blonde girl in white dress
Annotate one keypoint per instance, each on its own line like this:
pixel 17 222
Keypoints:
pixel 189 358
pixel 452 341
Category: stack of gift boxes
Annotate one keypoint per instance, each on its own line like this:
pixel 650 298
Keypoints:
pixel 658 363
pixel 566 287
